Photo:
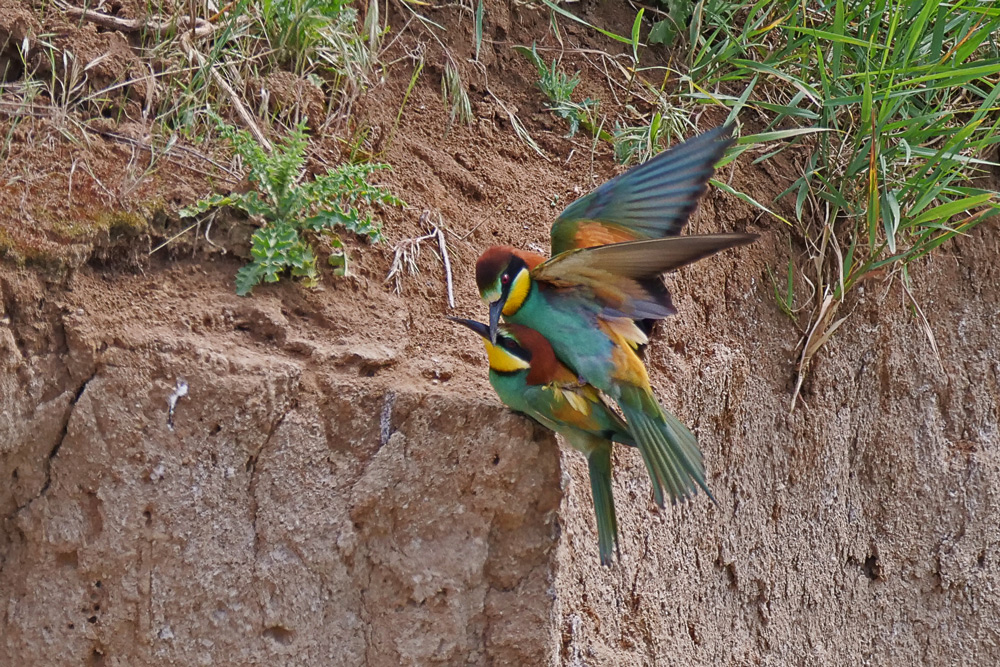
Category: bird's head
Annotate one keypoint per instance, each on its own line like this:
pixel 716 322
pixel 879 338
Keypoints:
pixel 503 275
pixel 505 353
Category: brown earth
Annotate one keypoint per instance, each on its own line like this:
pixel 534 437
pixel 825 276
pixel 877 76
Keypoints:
pixel 341 486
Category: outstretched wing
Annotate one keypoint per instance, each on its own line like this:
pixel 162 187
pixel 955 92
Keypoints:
pixel 624 278
pixel 652 200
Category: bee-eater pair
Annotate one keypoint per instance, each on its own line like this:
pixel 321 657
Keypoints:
pixel 575 321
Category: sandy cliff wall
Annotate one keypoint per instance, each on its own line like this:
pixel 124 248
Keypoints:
pixel 861 529
pixel 342 487
pixel 291 516
pixel 321 504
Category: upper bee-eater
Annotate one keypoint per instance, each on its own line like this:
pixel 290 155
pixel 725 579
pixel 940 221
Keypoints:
pixel 609 250
pixel 528 378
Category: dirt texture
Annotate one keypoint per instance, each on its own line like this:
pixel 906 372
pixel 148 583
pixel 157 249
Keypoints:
pixel 340 486
pixel 860 529
pixel 282 511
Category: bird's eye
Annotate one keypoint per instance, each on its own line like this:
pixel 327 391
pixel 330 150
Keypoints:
pixel 505 278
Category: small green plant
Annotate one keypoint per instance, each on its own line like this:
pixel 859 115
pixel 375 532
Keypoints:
pixel 558 87
pixel 295 212
pixel 638 143
pixel 675 14
pixel 307 33
pixel 784 295
pixel 455 97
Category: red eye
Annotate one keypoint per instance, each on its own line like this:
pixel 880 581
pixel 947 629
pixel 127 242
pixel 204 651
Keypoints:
pixel 505 278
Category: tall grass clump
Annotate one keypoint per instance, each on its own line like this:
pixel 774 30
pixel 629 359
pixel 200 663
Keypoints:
pixel 324 41
pixel 908 91
pixel 558 87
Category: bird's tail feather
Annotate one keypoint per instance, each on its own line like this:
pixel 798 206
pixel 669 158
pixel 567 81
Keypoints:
pixel 599 464
pixel 668 448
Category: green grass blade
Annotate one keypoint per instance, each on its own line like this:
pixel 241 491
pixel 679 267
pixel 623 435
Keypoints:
pixel 951 209
pixel 562 12
pixel 834 37
pixel 479 28
pixel 747 198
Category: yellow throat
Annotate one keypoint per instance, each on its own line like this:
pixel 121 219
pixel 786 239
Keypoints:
pixel 503 361
pixel 518 292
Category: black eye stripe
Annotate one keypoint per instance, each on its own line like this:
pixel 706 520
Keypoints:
pixel 512 346
pixel 514 268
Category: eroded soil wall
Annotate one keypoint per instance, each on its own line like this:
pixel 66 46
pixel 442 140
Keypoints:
pixel 289 516
pixel 340 485
pixel 321 503
pixel 864 528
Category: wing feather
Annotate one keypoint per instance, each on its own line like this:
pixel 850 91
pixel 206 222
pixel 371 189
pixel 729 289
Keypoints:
pixel 652 200
pixel 622 277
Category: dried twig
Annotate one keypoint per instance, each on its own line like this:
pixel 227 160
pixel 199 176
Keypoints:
pixel 175 237
pixel 114 136
pixel 241 110
pixel 444 259
pixel 407 254
pixel 153 24
pixel 823 328
pixel 17 109
pixel 926 324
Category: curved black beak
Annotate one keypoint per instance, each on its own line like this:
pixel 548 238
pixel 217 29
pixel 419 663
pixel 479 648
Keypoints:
pixel 478 327
pixel 496 308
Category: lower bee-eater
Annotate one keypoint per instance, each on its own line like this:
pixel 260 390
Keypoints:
pixel 529 379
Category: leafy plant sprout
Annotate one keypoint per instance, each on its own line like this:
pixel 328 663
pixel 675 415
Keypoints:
pixel 295 212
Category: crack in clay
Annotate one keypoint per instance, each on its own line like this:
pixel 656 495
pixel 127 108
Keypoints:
pixel 63 433
pixel 253 464
pixel 385 419
pixel 366 614
pixel 252 486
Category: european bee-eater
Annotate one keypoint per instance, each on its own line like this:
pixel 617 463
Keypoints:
pixel 610 249
pixel 529 379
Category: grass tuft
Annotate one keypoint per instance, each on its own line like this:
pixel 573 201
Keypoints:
pixel 456 99
pixel 908 92
pixel 558 87
pixel 893 104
